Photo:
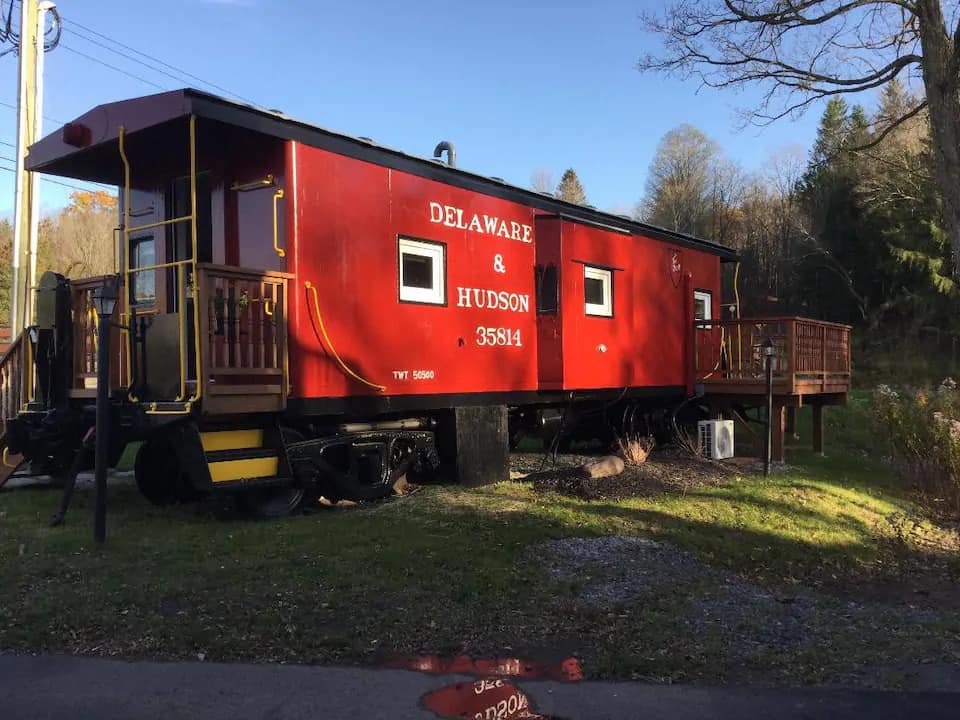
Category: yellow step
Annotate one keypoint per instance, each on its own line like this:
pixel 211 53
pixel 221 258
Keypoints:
pixel 243 469
pixel 231 440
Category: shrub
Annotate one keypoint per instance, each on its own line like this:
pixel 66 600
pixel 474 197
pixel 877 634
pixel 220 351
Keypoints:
pixel 923 429
pixel 634 449
pixel 688 441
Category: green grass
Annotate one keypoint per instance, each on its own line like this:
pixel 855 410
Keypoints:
pixel 452 570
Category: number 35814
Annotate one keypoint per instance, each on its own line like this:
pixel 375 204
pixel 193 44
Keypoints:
pixel 498 337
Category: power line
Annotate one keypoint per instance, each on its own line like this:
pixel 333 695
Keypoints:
pixel 124 55
pixel 45 117
pixel 75 187
pixel 112 67
pixel 157 60
pixel 51 180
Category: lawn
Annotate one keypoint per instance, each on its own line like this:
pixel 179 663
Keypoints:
pixel 823 573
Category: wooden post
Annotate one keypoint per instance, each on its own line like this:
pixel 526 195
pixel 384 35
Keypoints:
pixel 777 453
pixel 818 428
pixel 791 425
pixel 473 444
pixel 823 359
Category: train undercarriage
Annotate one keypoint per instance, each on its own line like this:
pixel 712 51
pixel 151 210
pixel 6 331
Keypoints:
pixel 274 465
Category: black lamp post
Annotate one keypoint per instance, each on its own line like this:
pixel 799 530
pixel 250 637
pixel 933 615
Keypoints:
pixel 768 350
pixel 104 301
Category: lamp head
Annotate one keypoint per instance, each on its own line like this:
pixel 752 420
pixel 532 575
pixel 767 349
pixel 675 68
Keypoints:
pixel 105 299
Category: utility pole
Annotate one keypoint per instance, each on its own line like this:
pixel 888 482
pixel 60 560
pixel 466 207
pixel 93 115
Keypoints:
pixel 26 218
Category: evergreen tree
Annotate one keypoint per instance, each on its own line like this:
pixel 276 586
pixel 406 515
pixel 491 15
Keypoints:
pixel 831 134
pixel 570 189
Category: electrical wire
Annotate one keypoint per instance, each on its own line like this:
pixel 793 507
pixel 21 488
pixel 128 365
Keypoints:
pixel 70 26
pixel 51 35
pixel 123 55
pixel 55 182
pixel 45 117
pixel 112 67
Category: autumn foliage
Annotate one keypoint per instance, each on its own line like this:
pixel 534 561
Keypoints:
pixel 77 241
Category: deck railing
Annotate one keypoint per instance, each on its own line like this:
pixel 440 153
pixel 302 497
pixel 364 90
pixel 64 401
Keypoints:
pixel 243 335
pixel 16 379
pixel 85 339
pixel 810 356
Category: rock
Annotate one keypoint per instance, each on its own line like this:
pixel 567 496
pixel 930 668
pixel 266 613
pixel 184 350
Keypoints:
pixel 606 466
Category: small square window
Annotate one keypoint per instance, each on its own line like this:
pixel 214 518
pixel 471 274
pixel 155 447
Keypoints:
pixel 422 268
pixel 143 285
pixel 598 291
pixel 702 305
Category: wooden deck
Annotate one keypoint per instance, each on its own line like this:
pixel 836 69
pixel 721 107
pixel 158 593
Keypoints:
pixel 811 366
pixel 242 332
pixel 811 357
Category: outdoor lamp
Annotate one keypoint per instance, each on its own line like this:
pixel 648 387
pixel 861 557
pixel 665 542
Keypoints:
pixel 768 348
pixel 105 299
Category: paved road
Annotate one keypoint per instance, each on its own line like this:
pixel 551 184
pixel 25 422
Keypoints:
pixel 53 687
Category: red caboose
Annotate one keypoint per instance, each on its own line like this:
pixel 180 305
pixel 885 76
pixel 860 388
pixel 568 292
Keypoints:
pixel 304 311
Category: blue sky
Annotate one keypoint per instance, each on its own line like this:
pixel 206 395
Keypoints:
pixel 517 86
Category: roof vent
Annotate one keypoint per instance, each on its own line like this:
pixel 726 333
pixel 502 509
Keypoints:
pixel 446 146
pixel 365 139
pixel 498 179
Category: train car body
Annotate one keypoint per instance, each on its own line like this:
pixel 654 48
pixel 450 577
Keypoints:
pixel 346 305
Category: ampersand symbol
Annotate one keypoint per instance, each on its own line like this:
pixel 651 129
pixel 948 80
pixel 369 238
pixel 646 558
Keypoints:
pixel 498 265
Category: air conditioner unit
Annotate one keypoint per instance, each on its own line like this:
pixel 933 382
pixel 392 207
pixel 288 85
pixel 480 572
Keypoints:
pixel 716 438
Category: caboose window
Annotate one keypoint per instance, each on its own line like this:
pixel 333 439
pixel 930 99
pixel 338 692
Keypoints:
pixel 702 305
pixel 422 269
pixel 548 289
pixel 598 291
pixel 143 285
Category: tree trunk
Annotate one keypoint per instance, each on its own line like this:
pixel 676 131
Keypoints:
pixel 940 79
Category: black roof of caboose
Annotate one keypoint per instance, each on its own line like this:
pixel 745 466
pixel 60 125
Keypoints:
pixel 100 160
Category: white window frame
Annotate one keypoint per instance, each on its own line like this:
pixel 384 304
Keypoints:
pixel 707 298
pixel 437 252
pixel 605 308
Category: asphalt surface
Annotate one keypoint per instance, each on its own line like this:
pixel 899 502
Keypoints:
pixel 55 687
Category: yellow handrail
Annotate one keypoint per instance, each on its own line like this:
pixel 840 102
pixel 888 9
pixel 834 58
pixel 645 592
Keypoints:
pixel 277 196
pixel 121 135
pixel 182 328
pixel 159 223
pixel 326 338
pixel 27 372
pixel 198 388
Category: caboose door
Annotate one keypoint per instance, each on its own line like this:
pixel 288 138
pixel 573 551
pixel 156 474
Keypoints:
pixel 160 278
pixel 243 295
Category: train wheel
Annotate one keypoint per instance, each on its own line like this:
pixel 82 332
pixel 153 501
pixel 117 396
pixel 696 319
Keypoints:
pixel 159 475
pixel 271 502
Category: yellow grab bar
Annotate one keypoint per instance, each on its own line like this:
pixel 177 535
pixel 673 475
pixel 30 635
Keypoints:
pixel 326 339
pixel 277 196
pixel 125 250
pixel 194 274
pixel 152 410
